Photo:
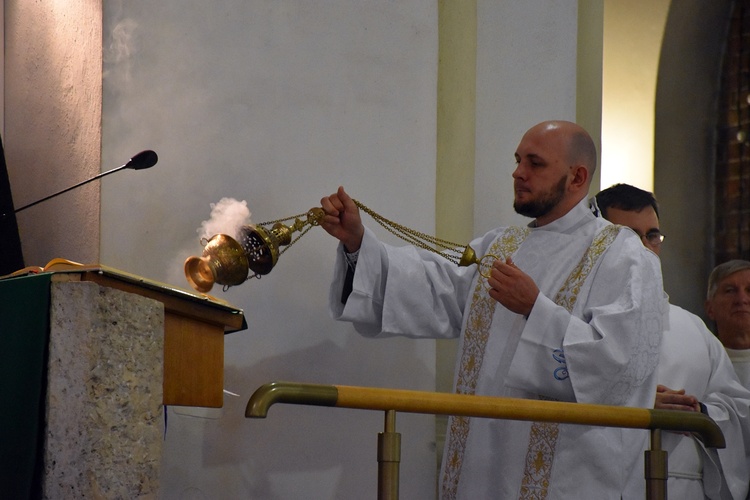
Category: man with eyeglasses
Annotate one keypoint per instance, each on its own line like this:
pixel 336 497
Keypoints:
pixel 694 374
pixel 635 208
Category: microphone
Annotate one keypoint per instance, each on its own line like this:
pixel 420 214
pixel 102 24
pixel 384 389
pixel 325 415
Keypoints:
pixel 144 159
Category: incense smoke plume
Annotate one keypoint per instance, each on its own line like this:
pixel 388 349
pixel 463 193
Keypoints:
pixel 227 217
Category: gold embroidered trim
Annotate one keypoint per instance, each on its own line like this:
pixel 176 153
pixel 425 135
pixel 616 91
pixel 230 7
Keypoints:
pixel 568 294
pixel 472 355
pixel 538 466
pixel 543 435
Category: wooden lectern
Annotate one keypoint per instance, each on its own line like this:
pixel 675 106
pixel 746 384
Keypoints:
pixel 194 329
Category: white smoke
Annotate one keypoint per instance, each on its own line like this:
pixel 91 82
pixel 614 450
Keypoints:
pixel 227 217
pixel 120 46
pixel 117 55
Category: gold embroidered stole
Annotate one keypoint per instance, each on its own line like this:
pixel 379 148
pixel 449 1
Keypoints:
pixel 543 436
pixel 472 355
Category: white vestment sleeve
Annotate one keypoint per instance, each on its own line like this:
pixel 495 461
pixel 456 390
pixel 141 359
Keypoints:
pixel 364 305
pixel 424 298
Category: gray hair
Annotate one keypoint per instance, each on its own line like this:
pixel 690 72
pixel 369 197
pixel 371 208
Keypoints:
pixel 722 271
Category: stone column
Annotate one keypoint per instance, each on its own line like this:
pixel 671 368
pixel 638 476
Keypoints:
pixel 105 424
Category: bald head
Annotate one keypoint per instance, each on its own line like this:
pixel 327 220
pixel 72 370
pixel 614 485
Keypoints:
pixel 574 140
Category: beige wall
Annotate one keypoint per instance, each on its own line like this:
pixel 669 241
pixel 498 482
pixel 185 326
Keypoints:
pixel 633 31
pixel 52 123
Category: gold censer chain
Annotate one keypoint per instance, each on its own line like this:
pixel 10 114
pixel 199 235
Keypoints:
pixel 451 251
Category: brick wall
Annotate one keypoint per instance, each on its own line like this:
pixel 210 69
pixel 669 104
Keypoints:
pixel 732 205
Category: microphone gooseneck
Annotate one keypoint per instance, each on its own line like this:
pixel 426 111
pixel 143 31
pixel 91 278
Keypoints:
pixel 144 159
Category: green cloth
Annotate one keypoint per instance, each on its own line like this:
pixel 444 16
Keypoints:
pixel 24 335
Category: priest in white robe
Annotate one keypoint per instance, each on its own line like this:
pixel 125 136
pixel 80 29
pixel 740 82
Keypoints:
pixel 694 374
pixel 573 309
pixel 694 361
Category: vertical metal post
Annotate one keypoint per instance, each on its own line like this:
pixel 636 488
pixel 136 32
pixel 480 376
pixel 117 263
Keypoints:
pixel 389 458
pixel 655 462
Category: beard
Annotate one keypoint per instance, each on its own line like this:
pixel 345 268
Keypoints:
pixel 544 203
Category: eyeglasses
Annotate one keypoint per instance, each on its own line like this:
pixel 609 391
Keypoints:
pixel 654 238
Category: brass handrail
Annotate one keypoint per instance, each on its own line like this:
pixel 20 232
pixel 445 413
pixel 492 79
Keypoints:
pixel 392 400
pixel 369 398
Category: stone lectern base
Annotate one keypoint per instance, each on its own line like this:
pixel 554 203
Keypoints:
pixel 105 424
